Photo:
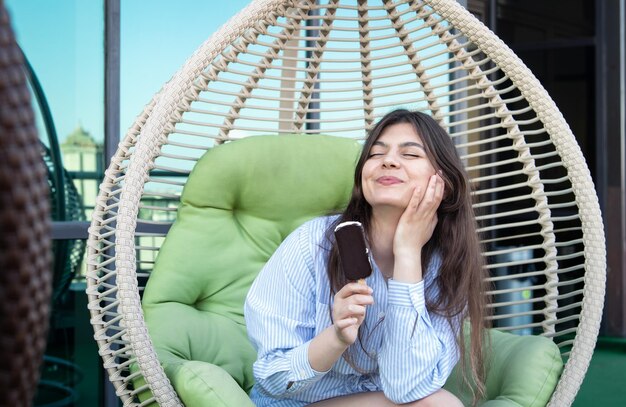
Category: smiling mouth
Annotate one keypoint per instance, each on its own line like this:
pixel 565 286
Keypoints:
pixel 389 180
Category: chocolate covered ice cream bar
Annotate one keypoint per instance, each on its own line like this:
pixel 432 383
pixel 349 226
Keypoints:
pixel 353 251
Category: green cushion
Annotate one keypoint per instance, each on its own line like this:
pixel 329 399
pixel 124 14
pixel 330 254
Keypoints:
pixel 240 202
pixel 523 371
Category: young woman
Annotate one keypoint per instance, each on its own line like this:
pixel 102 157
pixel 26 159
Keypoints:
pixel 324 340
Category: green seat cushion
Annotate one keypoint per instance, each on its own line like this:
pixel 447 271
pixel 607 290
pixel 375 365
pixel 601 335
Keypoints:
pixel 522 371
pixel 240 202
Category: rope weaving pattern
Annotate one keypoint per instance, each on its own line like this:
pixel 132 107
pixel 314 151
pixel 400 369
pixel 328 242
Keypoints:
pixel 334 67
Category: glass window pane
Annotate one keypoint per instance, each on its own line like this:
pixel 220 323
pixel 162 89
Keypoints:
pixel 156 42
pixel 64 44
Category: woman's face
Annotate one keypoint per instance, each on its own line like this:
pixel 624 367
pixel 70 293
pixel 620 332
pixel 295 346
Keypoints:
pixel 397 164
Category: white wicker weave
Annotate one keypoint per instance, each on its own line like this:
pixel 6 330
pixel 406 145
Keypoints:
pixel 291 66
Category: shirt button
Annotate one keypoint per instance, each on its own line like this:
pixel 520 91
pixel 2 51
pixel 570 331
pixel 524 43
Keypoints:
pixel 381 315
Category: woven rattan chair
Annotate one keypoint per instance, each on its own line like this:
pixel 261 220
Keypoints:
pixel 25 244
pixel 282 67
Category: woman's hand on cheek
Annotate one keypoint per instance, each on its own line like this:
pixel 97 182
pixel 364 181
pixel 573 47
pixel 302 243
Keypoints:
pixel 419 219
pixel 349 311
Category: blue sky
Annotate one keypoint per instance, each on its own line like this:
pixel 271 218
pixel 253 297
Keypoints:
pixel 64 42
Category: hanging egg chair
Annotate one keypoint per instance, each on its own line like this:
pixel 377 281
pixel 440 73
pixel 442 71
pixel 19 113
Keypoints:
pixel 258 132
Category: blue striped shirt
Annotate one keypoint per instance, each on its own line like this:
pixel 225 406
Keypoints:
pixel 410 352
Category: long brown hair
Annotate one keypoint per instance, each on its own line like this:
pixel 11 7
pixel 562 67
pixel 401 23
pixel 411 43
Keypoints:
pixel 460 279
